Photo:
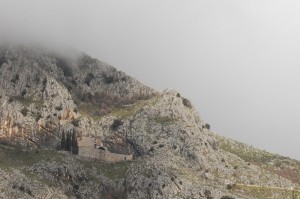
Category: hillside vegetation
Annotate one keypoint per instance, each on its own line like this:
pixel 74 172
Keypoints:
pixel 43 94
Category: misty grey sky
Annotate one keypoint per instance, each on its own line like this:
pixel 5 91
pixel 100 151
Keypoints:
pixel 238 61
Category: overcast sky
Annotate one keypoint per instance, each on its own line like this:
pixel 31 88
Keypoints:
pixel 237 60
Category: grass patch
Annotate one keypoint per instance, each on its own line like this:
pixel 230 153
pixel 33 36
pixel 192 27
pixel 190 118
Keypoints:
pixel 129 110
pixel 113 171
pixel 90 110
pixel 27 101
pixel 265 192
pixel 248 154
pixel 283 166
pixel 15 158
pixel 95 112
pixel 189 174
pixel 164 120
pixel 32 176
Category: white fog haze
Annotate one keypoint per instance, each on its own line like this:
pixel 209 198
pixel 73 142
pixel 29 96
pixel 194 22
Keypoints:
pixel 237 61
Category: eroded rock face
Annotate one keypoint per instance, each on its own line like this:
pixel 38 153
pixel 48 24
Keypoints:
pixel 43 92
pixel 14 184
pixel 176 156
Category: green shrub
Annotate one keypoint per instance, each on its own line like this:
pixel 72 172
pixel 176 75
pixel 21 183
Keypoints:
pixel 154 142
pixel 24 111
pixel 10 100
pixel 151 149
pixel 74 143
pixel 75 122
pixel 89 78
pixel 44 82
pixel 227 197
pixel 59 108
pixel 207 194
pixel 22 188
pixel 15 79
pixel 76 186
pixel 29 192
pixel 116 124
pixel 65 66
pixel 23 93
pixel 186 103
pixel 108 79
pixel 230 186
pixel 37 79
pixel 207 126
pixel 2 59
pixel 38 117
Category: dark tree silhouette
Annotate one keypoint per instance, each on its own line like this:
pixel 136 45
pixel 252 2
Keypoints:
pixel 63 143
pixel 74 143
pixel 68 142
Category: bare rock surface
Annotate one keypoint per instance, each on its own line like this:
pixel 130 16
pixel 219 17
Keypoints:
pixel 44 93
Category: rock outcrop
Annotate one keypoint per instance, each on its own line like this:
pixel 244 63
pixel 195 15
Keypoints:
pixel 175 154
pixel 43 92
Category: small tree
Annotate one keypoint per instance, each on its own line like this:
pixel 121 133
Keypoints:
pixel 68 142
pixel 207 126
pixel 63 141
pixel 187 103
pixel 116 124
pixel 74 143
pixel 75 122
pixel 24 111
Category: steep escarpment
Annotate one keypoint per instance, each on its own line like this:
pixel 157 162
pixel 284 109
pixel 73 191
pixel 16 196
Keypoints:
pixel 181 158
pixel 44 93
pixel 25 72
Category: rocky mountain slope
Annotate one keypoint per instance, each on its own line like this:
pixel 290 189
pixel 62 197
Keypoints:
pixel 176 155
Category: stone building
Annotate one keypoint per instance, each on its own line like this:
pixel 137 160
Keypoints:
pixel 92 147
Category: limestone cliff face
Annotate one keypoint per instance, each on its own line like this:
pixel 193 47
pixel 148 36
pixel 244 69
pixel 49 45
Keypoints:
pixel 176 156
pixel 181 158
pixel 42 91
